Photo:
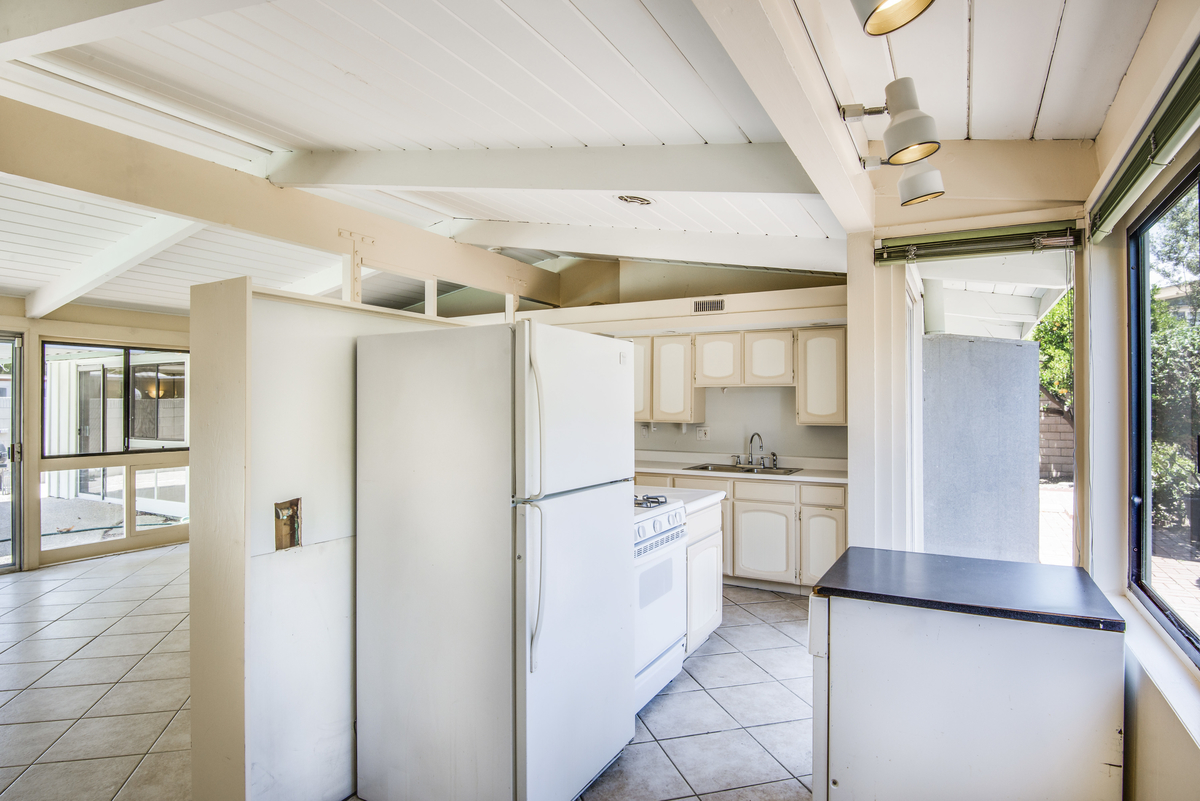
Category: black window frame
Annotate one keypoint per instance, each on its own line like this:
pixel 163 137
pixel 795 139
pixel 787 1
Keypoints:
pixel 127 384
pixel 1139 416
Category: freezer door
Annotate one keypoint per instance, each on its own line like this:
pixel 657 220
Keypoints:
pixel 574 410
pixel 574 649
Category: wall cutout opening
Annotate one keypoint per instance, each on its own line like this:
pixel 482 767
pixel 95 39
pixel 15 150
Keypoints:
pixel 287 524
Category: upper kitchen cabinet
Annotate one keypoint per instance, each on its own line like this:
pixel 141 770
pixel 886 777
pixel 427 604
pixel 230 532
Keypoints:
pixel 642 380
pixel 718 360
pixel 768 358
pixel 676 398
pixel 821 377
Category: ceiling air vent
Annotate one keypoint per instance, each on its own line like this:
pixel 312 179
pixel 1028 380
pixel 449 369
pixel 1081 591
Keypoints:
pixel 702 306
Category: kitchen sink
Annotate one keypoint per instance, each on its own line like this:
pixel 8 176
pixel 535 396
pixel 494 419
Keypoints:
pixel 745 468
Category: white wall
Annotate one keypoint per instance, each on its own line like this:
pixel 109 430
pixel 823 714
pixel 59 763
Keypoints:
pixel 732 415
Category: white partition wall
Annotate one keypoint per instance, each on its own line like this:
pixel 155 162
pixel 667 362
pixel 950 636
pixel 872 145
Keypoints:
pixel 273 630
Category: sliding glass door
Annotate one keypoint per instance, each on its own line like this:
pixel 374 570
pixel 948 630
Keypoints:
pixel 10 452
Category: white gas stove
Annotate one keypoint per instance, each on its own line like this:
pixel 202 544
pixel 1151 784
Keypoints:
pixel 660 573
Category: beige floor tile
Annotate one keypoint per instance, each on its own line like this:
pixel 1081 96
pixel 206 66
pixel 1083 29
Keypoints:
pixel 7 696
pixel 8 776
pixel 148 580
pixel 120 593
pixel 641 773
pixel 23 743
pixel 724 670
pixel 640 733
pixel 722 761
pixel 66 597
pixel 161 777
pixel 790 743
pixel 26 614
pixel 23 674
pixel 97 583
pixel 178 735
pixel 790 790
pixel 796 629
pixel 784 663
pixel 141 624
pixel 681 684
pixel 162 606
pixel 758 704
pixel 136 697
pixel 188 703
pixel 683 714
pixel 62 629
pixel 715 644
pixel 123 735
pixel 736 616
pixel 42 650
pixel 75 672
pixel 111 609
pixel 777 612
pixel 120 645
pixel 173 591
pixel 186 625
pixel 89 780
pixel 803 688
pixel 51 703
pixel 747 595
pixel 15 632
pixel 756 638
pixel 174 665
pixel 179 640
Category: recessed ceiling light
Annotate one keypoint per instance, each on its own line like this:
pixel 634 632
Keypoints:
pixel 635 200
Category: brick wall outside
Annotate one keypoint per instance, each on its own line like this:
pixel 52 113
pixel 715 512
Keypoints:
pixel 1057 446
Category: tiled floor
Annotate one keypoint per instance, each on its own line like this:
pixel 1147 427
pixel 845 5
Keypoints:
pixel 94 680
pixel 736 724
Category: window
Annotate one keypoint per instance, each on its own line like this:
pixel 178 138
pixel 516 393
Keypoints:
pixel 1165 413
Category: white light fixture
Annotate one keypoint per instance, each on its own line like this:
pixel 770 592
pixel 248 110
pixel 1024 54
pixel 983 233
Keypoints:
pixel 912 134
pixel 879 17
pixel 920 182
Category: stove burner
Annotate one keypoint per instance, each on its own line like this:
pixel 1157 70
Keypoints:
pixel 649 501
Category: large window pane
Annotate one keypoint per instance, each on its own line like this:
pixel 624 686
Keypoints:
pixel 82 506
pixel 158 412
pixel 83 400
pixel 1171 552
pixel 6 485
pixel 162 497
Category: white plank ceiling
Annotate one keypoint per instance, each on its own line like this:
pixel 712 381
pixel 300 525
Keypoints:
pixel 997 69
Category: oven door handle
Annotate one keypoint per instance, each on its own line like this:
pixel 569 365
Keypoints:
pixel 541 582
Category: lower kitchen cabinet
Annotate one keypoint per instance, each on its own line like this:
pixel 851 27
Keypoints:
pixel 822 540
pixel 764 541
pixel 705 583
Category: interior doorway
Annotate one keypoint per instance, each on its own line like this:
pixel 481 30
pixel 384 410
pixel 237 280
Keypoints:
pixel 10 452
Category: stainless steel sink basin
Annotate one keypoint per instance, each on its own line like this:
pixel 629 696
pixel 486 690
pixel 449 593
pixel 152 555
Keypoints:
pixel 745 468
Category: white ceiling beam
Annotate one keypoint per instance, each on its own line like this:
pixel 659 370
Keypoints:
pixel 149 240
pixel 989 306
pixel 322 281
pixel 770 47
pixel 785 252
pixel 974 327
pixel 1047 270
pixel 759 168
pixel 32 27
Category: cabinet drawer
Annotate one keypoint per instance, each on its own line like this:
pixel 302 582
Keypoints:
pixel 706 521
pixel 649 480
pixel 714 484
pixel 777 491
pixel 822 495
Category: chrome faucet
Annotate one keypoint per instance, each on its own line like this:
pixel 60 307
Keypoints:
pixel 751 446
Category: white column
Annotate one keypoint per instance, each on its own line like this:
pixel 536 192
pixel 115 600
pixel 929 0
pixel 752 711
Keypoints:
pixel 935 306
pixel 510 308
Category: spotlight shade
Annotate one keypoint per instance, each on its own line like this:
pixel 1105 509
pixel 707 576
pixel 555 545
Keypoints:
pixel 920 182
pixel 879 17
pixel 912 134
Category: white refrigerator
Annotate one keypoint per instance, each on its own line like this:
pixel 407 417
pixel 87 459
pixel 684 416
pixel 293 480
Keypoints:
pixel 494 563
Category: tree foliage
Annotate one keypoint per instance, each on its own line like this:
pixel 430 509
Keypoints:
pixel 1175 250
pixel 1055 336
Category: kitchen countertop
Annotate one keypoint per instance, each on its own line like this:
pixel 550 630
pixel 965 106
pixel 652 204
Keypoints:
pixel 806 475
pixel 1054 594
pixel 693 500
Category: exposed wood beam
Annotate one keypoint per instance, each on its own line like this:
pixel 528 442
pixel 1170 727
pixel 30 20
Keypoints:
pixel 772 50
pixel 30 27
pixel 149 240
pixel 989 306
pixel 673 168
pixel 1042 270
pixel 40 146
pixel 787 252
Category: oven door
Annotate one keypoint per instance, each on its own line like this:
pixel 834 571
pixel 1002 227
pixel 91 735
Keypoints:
pixel 660 613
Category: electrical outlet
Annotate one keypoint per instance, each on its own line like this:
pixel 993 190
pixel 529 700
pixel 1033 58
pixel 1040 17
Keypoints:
pixel 645 430
pixel 702 433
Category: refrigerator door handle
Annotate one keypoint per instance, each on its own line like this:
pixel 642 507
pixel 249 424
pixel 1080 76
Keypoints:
pixel 541 413
pixel 541 580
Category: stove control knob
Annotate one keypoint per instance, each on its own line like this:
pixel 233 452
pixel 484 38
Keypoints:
pixel 657 526
pixel 675 521
pixel 641 532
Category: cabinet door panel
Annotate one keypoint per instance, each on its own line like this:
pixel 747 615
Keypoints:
pixel 641 379
pixel 821 376
pixel 718 360
pixel 768 358
pixel 704 590
pixel 822 541
pixel 764 541
pixel 673 378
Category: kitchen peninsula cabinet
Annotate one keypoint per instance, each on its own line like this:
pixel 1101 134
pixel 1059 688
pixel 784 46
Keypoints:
pixel 822 540
pixel 821 377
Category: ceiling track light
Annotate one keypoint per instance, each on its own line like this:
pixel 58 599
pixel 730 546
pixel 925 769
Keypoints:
pixel 920 182
pixel 912 134
pixel 880 17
